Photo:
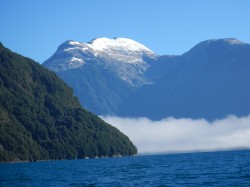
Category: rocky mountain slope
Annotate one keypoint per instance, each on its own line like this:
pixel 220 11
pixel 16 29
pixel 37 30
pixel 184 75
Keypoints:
pixel 102 72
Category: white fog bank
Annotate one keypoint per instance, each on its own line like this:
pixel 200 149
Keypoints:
pixel 184 135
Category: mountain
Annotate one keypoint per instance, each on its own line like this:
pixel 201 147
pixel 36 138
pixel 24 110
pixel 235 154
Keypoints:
pixel 102 72
pixel 210 81
pixel 40 118
pixel 127 79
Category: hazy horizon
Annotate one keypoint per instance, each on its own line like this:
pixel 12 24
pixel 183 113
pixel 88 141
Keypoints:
pixel 171 135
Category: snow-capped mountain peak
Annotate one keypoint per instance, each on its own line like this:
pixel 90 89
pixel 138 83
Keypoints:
pixel 124 57
pixel 121 49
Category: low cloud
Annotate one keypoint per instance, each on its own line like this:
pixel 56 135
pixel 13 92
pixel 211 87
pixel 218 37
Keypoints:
pixel 184 135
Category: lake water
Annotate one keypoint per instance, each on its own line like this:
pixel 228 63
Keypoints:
pixel 229 168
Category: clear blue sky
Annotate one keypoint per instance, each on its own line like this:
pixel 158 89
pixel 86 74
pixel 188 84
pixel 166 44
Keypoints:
pixel 36 28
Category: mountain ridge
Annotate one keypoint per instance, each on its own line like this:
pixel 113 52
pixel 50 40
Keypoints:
pixel 220 58
pixel 209 81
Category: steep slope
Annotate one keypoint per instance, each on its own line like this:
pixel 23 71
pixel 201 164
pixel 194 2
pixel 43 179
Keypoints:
pixel 41 119
pixel 210 81
pixel 102 72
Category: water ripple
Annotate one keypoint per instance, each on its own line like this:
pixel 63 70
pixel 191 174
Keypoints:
pixel 230 168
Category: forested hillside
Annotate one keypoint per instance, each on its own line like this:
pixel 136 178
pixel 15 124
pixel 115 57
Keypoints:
pixel 41 119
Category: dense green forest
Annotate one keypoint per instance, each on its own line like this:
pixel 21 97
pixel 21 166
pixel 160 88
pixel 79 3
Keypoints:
pixel 40 118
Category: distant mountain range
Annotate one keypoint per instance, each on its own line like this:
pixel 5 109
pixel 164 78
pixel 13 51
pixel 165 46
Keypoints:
pixel 122 77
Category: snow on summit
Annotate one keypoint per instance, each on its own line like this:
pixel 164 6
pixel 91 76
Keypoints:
pixel 233 41
pixel 119 49
pixel 116 49
pixel 124 57
pixel 103 44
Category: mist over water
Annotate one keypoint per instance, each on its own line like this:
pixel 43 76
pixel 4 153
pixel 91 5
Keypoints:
pixel 184 135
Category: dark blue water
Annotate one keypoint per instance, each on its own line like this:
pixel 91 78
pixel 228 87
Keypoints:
pixel 230 168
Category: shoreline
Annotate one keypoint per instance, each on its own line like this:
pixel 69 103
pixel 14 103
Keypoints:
pixel 84 158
